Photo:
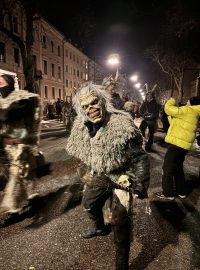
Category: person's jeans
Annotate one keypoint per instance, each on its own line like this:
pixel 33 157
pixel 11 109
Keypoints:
pixel 173 178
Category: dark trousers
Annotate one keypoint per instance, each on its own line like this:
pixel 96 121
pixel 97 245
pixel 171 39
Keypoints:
pixel 152 128
pixel 93 201
pixel 173 178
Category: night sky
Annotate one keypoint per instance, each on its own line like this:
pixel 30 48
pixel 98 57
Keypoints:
pixel 112 26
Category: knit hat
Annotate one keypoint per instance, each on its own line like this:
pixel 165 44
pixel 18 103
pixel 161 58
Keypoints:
pixel 195 100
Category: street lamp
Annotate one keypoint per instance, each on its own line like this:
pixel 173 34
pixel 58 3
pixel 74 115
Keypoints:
pixel 138 85
pixel 114 60
pixel 134 78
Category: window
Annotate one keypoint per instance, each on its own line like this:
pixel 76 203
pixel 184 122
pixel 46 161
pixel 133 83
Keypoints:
pixel 66 83
pixel 70 84
pixel 81 75
pixel 73 57
pixel 86 64
pixel 52 46
pixel 74 84
pixel 58 50
pixel 59 93
pixel 15 25
pixel 77 72
pixel 66 68
pixel 2 52
pixel 77 60
pixel 59 72
pixel 74 72
pixel 16 56
pixel 46 91
pixel 45 67
pixel 52 70
pixel 53 92
pixel 44 42
pixel 86 76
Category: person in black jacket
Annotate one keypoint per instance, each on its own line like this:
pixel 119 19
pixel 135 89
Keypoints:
pixel 149 111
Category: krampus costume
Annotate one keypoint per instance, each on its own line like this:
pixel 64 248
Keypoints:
pixel 107 141
pixel 19 134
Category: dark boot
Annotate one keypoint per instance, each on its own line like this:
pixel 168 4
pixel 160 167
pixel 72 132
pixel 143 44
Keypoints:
pixel 97 228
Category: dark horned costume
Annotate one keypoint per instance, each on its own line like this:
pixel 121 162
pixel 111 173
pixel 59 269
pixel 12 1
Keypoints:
pixel 19 135
pixel 108 142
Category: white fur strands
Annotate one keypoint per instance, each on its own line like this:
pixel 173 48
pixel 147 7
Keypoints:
pixel 106 151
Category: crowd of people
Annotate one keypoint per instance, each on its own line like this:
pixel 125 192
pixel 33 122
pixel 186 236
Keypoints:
pixel 115 161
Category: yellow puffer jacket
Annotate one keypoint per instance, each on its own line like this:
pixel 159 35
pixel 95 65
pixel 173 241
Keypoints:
pixel 183 124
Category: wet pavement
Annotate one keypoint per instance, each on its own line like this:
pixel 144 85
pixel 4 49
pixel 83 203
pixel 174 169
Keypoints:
pixel 46 236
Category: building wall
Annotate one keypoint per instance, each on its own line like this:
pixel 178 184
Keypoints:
pixel 60 67
pixel 48 56
pixel 75 68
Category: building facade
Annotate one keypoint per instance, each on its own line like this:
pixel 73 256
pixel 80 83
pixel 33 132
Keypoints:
pixel 59 66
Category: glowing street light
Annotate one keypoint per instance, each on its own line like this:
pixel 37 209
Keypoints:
pixel 134 78
pixel 138 85
pixel 113 60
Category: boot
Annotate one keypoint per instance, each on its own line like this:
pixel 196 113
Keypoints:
pixel 98 228
pixel 95 230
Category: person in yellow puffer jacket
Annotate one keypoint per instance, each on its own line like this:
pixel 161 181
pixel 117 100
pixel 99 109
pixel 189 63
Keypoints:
pixel 180 136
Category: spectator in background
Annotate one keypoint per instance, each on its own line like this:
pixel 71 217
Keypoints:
pixel 180 136
pixel 58 107
pixel 50 111
pixel 149 111
pixel 164 120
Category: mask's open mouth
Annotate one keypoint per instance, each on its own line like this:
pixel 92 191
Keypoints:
pixel 94 113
